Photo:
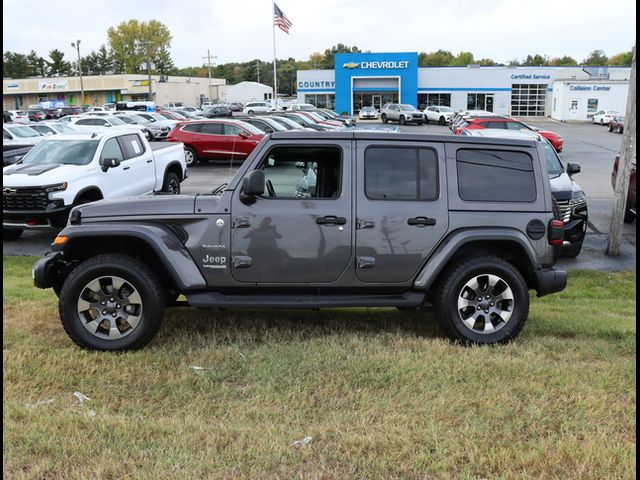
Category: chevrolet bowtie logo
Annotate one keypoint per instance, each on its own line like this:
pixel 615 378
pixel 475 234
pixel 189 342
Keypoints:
pixel 350 65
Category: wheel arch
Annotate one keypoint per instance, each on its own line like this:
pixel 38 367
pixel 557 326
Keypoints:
pixel 511 245
pixel 93 193
pixel 175 167
pixel 157 246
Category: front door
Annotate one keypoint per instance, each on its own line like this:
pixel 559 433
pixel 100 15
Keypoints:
pixel 299 231
pixel 489 103
pixel 376 100
pixel 401 212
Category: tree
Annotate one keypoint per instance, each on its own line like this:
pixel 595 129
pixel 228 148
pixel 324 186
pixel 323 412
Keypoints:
pixel 15 65
pixel 37 65
pixel 462 59
pixel 90 65
pixel 622 59
pixel 487 62
pixel 330 53
pixel 104 61
pixel 514 62
pixel 58 65
pixel 441 58
pixel 597 58
pixel 535 61
pixel 162 61
pixel 133 42
pixel 565 61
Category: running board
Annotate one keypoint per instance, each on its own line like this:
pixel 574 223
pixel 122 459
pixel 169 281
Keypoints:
pixel 216 299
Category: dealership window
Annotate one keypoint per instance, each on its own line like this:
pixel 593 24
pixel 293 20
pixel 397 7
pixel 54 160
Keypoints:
pixel 480 101
pixel 592 107
pixel 529 100
pixel 434 99
pixel 495 176
pixel 401 174
pixel 321 100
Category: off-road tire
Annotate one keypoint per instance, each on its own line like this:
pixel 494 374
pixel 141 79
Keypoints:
pixel 171 183
pixel 132 271
pixel 450 286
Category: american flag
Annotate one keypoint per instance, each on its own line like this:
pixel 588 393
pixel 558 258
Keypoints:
pixel 280 19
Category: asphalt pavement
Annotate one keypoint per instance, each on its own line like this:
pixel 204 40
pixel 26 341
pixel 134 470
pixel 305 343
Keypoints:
pixel 590 145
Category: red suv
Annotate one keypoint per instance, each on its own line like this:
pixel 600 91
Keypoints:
pixel 509 124
pixel 215 139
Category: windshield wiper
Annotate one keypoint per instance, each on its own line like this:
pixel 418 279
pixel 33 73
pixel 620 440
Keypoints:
pixel 219 189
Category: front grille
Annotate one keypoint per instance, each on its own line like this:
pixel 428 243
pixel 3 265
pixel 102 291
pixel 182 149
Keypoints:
pixel 24 199
pixel 417 115
pixel 568 206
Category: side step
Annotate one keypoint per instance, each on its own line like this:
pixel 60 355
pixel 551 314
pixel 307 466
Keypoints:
pixel 216 300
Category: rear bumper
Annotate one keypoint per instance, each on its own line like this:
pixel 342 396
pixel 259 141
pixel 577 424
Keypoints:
pixel 550 281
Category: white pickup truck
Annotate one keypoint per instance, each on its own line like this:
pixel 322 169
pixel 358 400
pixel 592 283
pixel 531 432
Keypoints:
pixel 63 171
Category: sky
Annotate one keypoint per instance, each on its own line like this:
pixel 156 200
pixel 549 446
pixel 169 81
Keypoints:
pixel 239 31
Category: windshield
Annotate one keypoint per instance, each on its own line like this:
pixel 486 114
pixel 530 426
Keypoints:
pixel 127 120
pixel 307 107
pixel 275 125
pixel 554 166
pixel 251 128
pixel 66 152
pixel 62 128
pixel 23 131
pixel 446 109
pixel 116 121
pixel 407 107
pixel 288 122
pixel 157 117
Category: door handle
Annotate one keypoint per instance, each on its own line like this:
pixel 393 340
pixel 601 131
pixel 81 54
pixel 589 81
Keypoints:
pixel 422 221
pixel 362 224
pixel 331 220
pixel 126 168
pixel 149 161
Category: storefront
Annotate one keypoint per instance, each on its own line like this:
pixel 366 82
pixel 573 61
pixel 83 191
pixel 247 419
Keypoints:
pixel 363 79
pixel 580 100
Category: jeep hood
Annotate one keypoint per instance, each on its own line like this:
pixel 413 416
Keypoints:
pixel 160 205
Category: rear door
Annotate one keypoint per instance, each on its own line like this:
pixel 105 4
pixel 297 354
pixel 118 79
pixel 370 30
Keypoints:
pixel 211 142
pixel 401 211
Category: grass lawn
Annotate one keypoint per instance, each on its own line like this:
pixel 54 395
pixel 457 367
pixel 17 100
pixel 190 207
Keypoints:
pixel 380 392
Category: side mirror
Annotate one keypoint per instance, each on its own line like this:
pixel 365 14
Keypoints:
pixel 573 168
pixel 252 186
pixel 107 163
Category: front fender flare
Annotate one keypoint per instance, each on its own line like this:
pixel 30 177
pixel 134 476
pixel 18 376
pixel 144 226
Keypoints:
pixel 172 253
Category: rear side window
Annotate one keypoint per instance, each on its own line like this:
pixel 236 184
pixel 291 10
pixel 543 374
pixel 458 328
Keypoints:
pixel 495 176
pixel 401 173
pixel 192 127
pixel 212 128
pixel 131 146
pixel 501 125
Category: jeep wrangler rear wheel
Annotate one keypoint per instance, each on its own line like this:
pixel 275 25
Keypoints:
pixel 111 302
pixel 482 300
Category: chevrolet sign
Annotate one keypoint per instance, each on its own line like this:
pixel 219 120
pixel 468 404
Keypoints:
pixel 350 65
pixel 375 65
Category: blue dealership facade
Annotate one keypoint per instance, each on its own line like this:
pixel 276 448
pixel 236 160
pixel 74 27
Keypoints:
pixel 362 79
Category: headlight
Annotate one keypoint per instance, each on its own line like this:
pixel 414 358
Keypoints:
pixel 58 187
pixel 577 197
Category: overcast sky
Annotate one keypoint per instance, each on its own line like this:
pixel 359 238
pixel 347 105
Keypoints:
pixel 238 31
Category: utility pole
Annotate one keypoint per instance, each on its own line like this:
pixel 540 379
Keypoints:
pixel 627 152
pixel 76 44
pixel 208 58
pixel 258 69
pixel 146 45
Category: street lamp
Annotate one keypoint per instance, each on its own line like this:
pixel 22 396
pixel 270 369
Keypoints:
pixel 76 45
pixel 146 45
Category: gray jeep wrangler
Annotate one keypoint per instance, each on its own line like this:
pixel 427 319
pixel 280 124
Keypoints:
pixel 322 219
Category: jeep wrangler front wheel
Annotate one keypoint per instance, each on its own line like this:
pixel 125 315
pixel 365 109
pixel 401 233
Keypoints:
pixel 482 300
pixel 111 302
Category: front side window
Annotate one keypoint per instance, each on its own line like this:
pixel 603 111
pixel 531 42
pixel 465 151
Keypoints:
pixel 303 172
pixel 112 150
pixel 393 173
pixel 486 175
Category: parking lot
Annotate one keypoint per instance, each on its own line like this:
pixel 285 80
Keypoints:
pixel 590 145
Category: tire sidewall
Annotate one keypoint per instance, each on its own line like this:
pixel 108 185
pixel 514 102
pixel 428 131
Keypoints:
pixel 193 154
pixel 521 301
pixel 152 304
pixel 167 180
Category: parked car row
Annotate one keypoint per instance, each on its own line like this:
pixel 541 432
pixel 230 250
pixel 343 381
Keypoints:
pixel 480 120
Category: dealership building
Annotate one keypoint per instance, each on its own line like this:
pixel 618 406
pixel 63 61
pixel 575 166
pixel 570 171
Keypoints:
pixel 362 79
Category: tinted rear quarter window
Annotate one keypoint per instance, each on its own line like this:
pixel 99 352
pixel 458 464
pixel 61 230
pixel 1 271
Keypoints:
pixel 212 128
pixel 192 128
pixel 393 173
pixel 131 146
pixel 486 175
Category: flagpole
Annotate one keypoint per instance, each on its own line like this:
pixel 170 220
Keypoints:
pixel 275 75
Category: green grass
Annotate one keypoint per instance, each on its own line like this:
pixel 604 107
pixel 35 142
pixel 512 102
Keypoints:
pixel 380 392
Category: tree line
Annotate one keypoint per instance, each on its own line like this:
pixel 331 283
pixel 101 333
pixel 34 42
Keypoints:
pixel 131 44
